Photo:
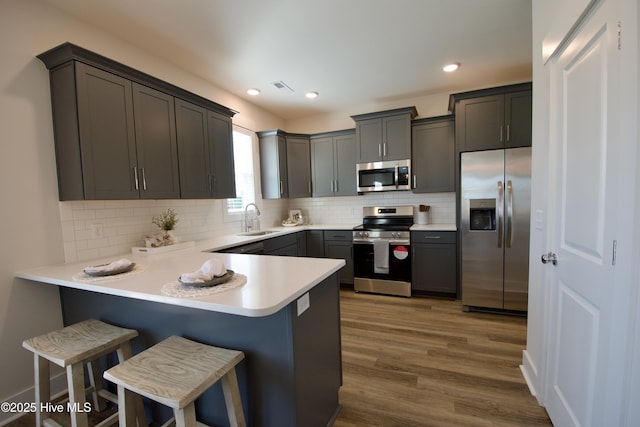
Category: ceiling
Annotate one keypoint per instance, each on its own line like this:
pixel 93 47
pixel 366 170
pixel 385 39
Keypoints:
pixel 353 52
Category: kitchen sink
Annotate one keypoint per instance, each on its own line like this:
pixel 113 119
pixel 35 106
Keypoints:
pixel 256 233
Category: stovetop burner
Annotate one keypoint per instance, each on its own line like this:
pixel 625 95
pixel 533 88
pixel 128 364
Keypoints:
pixel 385 222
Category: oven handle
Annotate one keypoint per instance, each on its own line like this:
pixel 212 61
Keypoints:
pixel 391 241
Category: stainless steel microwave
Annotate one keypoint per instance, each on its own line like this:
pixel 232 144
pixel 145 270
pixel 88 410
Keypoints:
pixel 384 176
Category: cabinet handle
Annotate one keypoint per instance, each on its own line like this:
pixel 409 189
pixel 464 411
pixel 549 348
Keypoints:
pixel 144 180
pixel 135 177
pixel 331 185
pixel 432 237
pixel 500 133
pixel 384 150
pixel 309 183
pixel 415 182
pixel 281 188
pixel 337 186
pixel 508 133
pixel 379 150
pixel 214 182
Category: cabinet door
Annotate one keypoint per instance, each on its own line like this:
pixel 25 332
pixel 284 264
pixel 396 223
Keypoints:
pixel 479 123
pixel 193 150
pixel 433 161
pixel 345 165
pixel 434 268
pixel 315 243
pixel 156 146
pixel 322 158
pixel 341 250
pixel 518 119
pixel 223 180
pixel 273 167
pixel 369 140
pixel 107 136
pixel 298 167
pixel 396 137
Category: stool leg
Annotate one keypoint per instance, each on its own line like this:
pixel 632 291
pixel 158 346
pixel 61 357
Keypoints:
pixel 124 352
pixel 186 417
pixel 126 405
pixel 95 379
pixel 232 398
pixel 42 386
pixel 75 381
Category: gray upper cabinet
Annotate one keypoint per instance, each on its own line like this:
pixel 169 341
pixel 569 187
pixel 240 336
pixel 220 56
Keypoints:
pixel 273 165
pixel 433 155
pixel 333 164
pixel 193 146
pixel 205 151
pixel 493 118
pixel 156 146
pixel 115 128
pixel 385 135
pixel 105 149
pixel 285 167
pixel 298 166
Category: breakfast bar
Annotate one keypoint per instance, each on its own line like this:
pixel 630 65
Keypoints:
pixel 285 318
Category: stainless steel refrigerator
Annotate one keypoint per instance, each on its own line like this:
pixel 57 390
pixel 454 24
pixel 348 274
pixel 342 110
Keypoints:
pixel 495 203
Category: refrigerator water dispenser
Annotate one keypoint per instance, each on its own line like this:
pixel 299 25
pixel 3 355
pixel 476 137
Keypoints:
pixel 482 214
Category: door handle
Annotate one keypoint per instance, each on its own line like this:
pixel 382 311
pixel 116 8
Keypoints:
pixel 509 214
pixel 500 215
pixel 549 257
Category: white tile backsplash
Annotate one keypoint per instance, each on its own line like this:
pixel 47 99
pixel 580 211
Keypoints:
pixel 123 223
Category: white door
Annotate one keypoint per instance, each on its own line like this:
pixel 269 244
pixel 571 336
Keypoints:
pixel 584 136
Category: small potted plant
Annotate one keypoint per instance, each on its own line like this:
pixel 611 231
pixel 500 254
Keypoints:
pixel 166 221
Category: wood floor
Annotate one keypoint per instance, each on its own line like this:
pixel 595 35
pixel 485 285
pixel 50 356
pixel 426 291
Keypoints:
pixel 424 362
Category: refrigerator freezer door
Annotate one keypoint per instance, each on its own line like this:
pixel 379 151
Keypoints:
pixel 517 218
pixel 482 177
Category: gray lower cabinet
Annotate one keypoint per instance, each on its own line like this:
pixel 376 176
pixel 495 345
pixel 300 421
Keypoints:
pixel 117 132
pixel 315 243
pixel 333 164
pixel 384 135
pixel 205 152
pixel 434 263
pixel 286 245
pixel 338 244
pixel 433 155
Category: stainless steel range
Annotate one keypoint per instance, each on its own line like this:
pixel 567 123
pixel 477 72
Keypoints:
pixel 382 251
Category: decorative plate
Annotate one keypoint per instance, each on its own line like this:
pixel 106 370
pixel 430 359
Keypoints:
pixel 111 272
pixel 213 282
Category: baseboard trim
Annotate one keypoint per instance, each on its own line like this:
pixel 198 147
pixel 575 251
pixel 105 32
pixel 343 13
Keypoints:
pixel 58 388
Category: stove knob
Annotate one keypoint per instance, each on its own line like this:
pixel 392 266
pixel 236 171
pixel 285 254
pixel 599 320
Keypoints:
pixel 366 234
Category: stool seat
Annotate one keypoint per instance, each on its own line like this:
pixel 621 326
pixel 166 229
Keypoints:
pixel 71 348
pixel 175 372
pixel 81 341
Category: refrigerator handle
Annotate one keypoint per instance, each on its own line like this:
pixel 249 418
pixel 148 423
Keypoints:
pixel 500 215
pixel 509 214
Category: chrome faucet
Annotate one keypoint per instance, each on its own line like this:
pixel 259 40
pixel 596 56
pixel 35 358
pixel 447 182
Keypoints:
pixel 251 224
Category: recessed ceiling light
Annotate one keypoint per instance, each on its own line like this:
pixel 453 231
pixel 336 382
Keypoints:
pixel 451 67
pixel 253 92
pixel 311 95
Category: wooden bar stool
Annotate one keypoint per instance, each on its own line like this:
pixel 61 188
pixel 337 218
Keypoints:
pixel 175 372
pixel 71 348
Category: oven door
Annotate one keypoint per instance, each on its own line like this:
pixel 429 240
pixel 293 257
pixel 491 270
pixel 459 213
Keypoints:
pixel 399 259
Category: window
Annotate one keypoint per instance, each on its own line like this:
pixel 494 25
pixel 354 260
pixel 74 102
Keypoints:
pixel 243 163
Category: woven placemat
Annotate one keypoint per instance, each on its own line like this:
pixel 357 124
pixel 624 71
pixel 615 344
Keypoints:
pixel 178 290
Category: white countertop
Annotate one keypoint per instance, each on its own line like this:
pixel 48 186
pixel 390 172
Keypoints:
pixel 273 282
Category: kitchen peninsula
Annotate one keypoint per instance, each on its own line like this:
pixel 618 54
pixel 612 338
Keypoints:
pixel 286 319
